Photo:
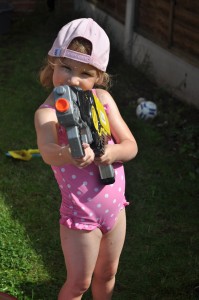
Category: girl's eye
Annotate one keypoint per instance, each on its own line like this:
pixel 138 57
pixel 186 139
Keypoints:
pixel 66 68
pixel 86 74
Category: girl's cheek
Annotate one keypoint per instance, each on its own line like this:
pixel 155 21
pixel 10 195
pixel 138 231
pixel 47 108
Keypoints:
pixel 57 76
pixel 56 81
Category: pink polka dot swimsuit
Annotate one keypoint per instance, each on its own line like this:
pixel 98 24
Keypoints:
pixel 86 202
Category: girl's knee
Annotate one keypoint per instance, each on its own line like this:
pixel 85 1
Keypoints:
pixel 79 285
pixel 73 289
pixel 106 275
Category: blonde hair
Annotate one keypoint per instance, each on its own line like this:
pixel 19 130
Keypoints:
pixel 79 45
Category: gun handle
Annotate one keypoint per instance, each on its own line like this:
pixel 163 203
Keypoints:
pixel 107 174
pixel 74 141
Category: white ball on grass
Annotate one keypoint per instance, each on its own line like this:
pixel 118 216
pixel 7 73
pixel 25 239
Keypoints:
pixel 146 110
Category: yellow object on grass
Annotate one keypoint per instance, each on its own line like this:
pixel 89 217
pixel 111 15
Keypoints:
pixel 23 154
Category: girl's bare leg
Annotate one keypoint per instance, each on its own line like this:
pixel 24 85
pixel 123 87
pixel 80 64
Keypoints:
pixel 80 249
pixel 108 260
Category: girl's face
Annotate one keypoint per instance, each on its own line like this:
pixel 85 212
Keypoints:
pixel 74 73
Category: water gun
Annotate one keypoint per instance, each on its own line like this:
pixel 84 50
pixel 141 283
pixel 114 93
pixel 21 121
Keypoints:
pixel 85 120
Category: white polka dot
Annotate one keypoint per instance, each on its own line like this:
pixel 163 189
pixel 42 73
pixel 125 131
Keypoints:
pixel 119 189
pixel 96 189
pixel 108 228
pixel 82 219
pixel 74 176
pixel 79 193
pixel 71 207
pixel 89 199
pixel 114 201
pixel 85 183
pixel 91 173
pixel 83 208
pixel 106 211
pixel 99 205
pixel 91 214
pixel 106 195
pixel 63 179
pixel 63 170
pixel 77 224
pixel 68 186
pixel 74 213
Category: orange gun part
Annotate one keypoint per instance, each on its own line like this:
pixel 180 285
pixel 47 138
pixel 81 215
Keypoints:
pixel 62 105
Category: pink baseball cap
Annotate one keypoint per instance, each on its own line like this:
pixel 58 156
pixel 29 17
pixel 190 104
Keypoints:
pixel 90 30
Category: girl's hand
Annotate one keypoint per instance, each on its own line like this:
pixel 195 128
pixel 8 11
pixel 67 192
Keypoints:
pixel 86 160
pixel 107 158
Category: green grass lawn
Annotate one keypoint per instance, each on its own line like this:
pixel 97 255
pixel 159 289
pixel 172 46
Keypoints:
pixel 160 259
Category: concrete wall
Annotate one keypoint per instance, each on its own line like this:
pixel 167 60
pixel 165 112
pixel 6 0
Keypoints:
pixel 169 70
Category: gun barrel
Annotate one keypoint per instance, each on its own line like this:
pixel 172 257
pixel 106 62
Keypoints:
pixel 107 174
pixel 62 105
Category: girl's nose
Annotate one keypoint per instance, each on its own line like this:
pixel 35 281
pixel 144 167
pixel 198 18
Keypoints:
pixel 73 81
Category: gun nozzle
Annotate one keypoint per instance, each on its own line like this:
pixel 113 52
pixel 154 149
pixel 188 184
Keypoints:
pixel 62 105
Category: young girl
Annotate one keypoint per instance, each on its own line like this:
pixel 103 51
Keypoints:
pixel 92 215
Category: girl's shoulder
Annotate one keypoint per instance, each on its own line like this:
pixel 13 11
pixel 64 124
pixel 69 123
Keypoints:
pixel 48 103
pixel 107 100
pixel 101 92
pixel 104 96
